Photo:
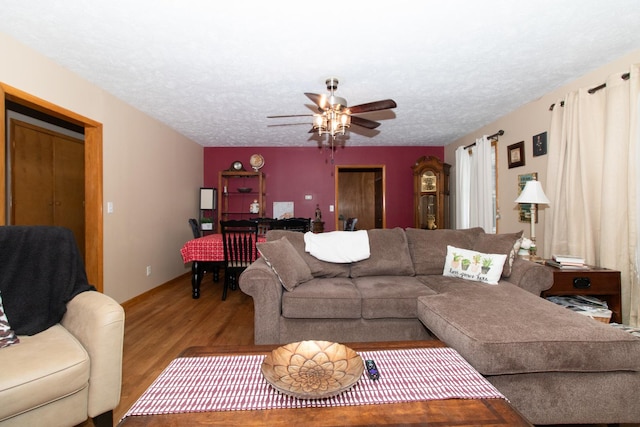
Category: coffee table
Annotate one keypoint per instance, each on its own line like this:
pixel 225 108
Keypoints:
pixel 459 412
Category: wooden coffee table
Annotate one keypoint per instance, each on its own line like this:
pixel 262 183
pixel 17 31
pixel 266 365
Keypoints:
pixel 458 412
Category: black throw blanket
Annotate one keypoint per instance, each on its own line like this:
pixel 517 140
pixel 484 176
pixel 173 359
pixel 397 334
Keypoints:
pixel 40 271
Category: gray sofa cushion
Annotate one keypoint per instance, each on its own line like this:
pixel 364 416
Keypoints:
pixel 503 329
pixel 318 268
pixel 389 255
pixel 428 248
pixel 390 296
pixel 323 298
pixel 286 262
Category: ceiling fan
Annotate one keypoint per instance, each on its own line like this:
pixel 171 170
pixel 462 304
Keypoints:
pixel 334 116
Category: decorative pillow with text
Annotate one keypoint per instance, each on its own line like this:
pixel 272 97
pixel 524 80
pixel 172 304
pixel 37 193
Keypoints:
pixel 508 244
pixel 472 265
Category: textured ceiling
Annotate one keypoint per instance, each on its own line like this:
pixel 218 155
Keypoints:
pixel 213 70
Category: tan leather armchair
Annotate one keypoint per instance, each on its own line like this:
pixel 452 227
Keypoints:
pixel 67 365
pixel 69 372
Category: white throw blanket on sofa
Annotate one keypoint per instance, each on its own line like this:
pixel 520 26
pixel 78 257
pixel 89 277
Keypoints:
pixel 338 246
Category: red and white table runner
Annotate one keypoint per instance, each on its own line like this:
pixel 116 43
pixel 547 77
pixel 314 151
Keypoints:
pixel 228 383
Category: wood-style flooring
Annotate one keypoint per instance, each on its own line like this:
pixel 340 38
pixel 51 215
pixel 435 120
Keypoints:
pixel 166 320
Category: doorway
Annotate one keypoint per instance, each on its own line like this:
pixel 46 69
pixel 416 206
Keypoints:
pixel 93 185
pixel 360 193
pixel 47 179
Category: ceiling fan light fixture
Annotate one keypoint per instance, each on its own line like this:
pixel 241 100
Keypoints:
pixel 334 116
pixel 332 122
pixel 320 123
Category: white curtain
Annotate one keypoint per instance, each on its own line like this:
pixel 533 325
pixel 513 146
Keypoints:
pixel 474 186
pixel 592 181
pixel 463 183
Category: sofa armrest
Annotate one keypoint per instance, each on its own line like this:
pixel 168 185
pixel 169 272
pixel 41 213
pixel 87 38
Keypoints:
pixel 261 283
pixel 97 321
pixel 530 276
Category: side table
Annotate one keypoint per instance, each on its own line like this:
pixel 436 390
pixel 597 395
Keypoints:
pixel 595 281
pixel 318 226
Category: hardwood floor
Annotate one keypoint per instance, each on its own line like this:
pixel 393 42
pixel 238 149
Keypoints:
pixel 165 321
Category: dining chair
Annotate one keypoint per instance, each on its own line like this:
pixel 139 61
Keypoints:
pixel 239 239
pixel 203 266
pixel 350 224
pixel 264 225
pixel 194 227
pixel 293 224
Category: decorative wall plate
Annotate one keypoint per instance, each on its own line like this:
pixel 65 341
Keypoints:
pixel 312 369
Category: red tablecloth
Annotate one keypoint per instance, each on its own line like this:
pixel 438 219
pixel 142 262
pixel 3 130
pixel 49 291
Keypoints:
pixel 207 248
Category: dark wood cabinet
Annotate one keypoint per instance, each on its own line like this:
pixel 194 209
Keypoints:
pixel 431 193
pixel 598 282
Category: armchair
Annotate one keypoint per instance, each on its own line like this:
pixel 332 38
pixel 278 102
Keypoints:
pixel 67 365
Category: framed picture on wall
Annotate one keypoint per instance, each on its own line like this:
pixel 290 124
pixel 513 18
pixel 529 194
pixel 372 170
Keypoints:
pixel 540 144
pixel 515 154
pixel 524 214
pixel 282 210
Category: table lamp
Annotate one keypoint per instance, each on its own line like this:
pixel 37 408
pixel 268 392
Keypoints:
pixel 532 193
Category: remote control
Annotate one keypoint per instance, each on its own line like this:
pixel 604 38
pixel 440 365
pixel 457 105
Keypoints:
pixel 372 370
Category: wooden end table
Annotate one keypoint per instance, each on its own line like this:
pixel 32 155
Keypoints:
pixel 459 412
pixel 598 282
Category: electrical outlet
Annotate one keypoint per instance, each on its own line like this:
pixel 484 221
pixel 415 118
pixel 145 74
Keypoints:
pixel 148 270
pixel 308 197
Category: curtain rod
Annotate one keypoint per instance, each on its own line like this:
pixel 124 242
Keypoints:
pixel 593 90
pixel 494 136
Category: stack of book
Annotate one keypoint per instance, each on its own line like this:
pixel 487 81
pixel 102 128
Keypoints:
pixel 567 262
pixel 586 305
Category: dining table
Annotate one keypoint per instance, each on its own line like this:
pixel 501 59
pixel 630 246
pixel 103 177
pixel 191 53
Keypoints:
pixel 206 254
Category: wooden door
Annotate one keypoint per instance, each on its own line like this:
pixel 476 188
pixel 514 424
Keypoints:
pixel 47 177
pixel 360 194
pixel 31 176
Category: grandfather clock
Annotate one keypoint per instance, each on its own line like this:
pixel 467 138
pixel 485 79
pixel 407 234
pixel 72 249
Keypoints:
pixel 431 193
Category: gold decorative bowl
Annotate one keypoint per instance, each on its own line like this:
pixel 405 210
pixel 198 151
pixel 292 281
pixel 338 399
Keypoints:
pixel 312 369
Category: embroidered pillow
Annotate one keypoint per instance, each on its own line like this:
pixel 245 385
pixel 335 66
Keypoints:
pixel 286 262
pixel 472 265
pixel 7 336
pixel 508 244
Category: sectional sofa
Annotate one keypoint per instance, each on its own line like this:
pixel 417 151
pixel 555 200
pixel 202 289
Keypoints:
pixel 554 366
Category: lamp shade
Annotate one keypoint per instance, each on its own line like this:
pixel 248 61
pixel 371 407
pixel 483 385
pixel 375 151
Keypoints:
pixel 532 193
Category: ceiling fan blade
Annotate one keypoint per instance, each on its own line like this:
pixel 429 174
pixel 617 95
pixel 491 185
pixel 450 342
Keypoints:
pixel 290 115
pixel 365 123
pixel 319 100
pixel 385 104
pixel 287 124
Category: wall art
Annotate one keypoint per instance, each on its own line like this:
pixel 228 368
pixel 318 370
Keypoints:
pixel 540 144
pixel 515 154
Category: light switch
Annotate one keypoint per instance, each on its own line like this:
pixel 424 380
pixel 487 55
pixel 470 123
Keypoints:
pixel 330 208
pixel 109 207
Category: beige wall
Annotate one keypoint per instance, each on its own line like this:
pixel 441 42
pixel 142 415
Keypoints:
pixel 151 173
pixel 521 125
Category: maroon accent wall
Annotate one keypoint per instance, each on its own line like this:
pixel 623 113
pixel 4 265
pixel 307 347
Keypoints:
pixel 292 172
